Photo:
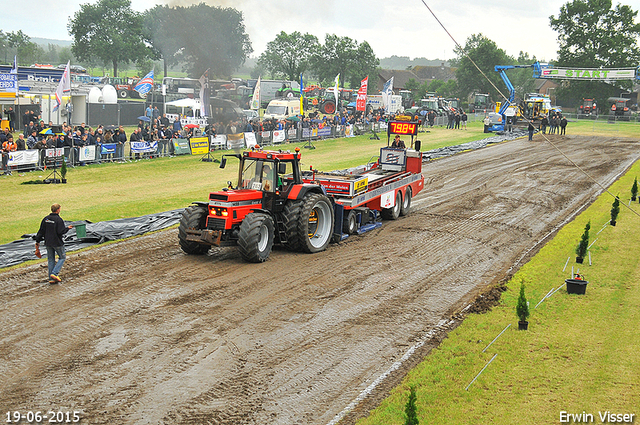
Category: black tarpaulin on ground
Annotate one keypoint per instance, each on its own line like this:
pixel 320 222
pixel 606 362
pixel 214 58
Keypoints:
pixel 477 144
pixel 22 250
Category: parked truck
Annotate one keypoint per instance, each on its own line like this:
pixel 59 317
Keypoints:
pixel 275 202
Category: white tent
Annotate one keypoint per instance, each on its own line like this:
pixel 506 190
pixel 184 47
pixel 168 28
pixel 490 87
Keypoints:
pixel 194 104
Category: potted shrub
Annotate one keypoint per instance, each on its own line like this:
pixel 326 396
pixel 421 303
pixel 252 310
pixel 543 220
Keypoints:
pixel 522 309
pixel 581 250
pixel 63 171
pixel 615 210
pixel 576 285
pixel 410 409
pixel 634 189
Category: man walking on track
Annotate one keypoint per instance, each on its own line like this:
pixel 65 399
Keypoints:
pixel 52 229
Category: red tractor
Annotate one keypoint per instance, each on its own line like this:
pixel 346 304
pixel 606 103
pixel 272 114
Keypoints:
pixel 275 202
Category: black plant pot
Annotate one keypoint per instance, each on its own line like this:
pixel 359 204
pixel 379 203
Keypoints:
pixel 579 260
pixel 576 286
pixel 523 325
pixel 64 180
pixel 612 222
pixel 633 199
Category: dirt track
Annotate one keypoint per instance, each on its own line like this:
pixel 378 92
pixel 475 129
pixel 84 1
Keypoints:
pixel 141 333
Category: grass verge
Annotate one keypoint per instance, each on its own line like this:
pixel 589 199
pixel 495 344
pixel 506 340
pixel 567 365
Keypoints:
pixel 579 354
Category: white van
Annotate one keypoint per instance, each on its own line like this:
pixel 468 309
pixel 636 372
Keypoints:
pixel 282 108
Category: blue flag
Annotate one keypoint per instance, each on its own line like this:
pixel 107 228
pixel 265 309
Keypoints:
pixel 145 85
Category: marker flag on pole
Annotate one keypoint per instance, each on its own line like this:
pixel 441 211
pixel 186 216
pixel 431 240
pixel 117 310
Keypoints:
pixel 255 100
pixel 204 94
pixel 64 87
pixel 144 86
pixel 336 88
pixel 14 70
pixel 387 90
pixel 301 96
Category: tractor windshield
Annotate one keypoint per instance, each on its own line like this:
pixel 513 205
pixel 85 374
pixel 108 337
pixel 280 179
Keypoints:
pixel 257 174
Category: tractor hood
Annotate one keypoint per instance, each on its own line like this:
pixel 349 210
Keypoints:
pixel 236 197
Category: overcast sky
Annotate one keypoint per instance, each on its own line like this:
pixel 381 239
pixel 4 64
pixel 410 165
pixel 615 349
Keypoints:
pixel 392 27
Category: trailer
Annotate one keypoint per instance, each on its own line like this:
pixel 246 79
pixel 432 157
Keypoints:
pixel 275 202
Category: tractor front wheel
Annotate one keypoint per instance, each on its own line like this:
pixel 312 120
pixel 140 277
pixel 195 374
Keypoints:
pixel 195 218
pixel 406 204
pixel 256 237
pixel 315 224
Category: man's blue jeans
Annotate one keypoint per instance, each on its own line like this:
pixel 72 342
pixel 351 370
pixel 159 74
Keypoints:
pixel 55 267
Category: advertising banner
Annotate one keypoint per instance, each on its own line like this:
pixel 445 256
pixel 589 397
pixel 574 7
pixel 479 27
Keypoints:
pixel 325 131
pixel 107 149
pixel 218 142
pixel 348 131
pixel 361 100
pixel 250 140
pixel 589 73
pixel 88 153
pixel 23 157
pixel 181 147
pixel 279 136
pixel 54 153
pixel 199 145
pixel 235 141
pixel 8 85
pixel 293 133
pixel 143 147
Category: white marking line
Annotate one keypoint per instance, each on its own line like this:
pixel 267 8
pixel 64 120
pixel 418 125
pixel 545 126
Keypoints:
pixel 395 366
pixel 494 339
pixel 565 264
pixel 485 366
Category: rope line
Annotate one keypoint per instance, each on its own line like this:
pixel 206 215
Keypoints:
pixel 544 136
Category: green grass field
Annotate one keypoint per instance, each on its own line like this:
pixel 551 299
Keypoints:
pixel 580 353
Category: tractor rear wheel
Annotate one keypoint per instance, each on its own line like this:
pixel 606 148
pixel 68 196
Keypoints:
pixel 328 107
pixel 193 217
pixel 406 204
pixel 394 212
pixel 123 94
pixel 315 224
pixel 256 236
pixel 290 217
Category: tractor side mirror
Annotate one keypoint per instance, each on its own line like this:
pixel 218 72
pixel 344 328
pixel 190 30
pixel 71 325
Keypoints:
pixel 223 162
pixel 282 168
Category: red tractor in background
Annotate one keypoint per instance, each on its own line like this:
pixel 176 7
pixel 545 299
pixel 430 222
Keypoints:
pixel 275 202
pixel 588 109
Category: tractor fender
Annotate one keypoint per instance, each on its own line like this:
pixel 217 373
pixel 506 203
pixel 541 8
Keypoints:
pixel 300 191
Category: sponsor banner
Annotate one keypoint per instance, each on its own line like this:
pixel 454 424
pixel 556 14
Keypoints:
pixel 589 73
pixel 348 131
pixel 88 153
pixel 361 100
pixel 199 145
pixel 8 85
pixel 250 140
pixel 54 153
pixel 144 147
pixel 310 132
pixel 24 157
pixel 324 131
pixel 107 149
pixel 265 134
pixel 181 146
pixel 202 122
pixel 235 141
pixel 279 136
pixel 293 133
pixel 219 142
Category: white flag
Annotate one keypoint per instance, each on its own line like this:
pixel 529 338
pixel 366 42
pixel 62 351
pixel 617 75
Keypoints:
pixel 64 88
pixel 387 90
pixel 336 89
pixel 255 100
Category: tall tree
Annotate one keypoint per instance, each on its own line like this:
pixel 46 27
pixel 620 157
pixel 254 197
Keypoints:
pixel 109 30
pixel 592 34
pixel 486 54
pixel 213 38
pixel 344 56
pixel 288 55
pixel 159 26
